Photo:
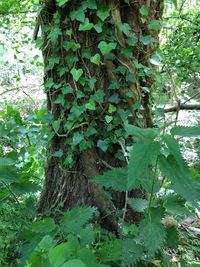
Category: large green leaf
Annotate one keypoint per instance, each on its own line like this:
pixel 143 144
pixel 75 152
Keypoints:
pixel 143 154
pixel 8 173
pixel 182 181
pixel 153 235
pixel 75 219
pixel 44 226
pixel 59 254
pixel 131 252
pixel 186 131
pixel 111 251
pixel 115 179
pixel 138 204
pixel 150 133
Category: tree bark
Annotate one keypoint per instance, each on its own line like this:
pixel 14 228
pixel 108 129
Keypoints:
pixel 68 185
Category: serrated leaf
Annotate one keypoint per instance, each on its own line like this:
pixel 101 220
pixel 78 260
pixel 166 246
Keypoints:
pixel 115 179
pixel 44 226
pixel 62 2
pixel 131 252
pixel 111 251
pixel 76 73
pixel 96 59
pixel 150 133
pixel 76 218
pixel 175 205
pixel 186 131
pixel 138 204
pixel 172 238
pixel 182 181
pixel 106 48
pixel 142 155
pixel 153 235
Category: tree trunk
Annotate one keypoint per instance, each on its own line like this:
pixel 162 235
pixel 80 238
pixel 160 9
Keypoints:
pixel 91 101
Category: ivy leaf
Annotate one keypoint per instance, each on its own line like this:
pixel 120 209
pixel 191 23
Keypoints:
pixel 106 48
pixel 144 10
pixel 153 235
pixel 147 40
pixel 115 179
pixel 58 153
pixel 96 59
pixel 78 14
pixel 77 138
pixel 62 2
pixel 76 73
pixel 111 108
pixel 103 145
pixel 138 204
pixel 86 25
pixel 186 131
pixel 108 118
pixel 56 125
pixel 103 13
pixel 142 155
pixel 55 32
pixel 155 25
pixel 91 105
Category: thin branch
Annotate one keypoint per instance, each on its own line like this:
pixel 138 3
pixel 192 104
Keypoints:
pixel 182 107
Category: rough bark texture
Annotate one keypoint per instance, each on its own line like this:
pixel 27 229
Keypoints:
pixel 69 187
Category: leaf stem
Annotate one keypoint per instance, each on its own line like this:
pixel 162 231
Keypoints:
pixel 152 189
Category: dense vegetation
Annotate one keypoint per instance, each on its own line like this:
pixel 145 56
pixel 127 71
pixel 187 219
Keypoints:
pixel 159 221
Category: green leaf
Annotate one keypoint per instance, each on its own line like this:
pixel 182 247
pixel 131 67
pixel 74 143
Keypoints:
pixel 58 255
pixel 153 235
pixel 78 15
pixel 175 205
pixel 58 153
pixel 186 131
pixel 147 40
pixel 108 118
pixel 77 138
pixel 142 155
pixel 96 59
pixel 115 179
pixel 172 238
pixel 144 10
pixel 182 182
pixel 111 251
pixel 155 25
pixel 103 145
pixel 62 2
pixel 111 108
pixel 86 25
pixel 91 105
pixel 76 218
pixel 150 133
pixel 76 73
pixel 138 204
pixel 103 13
pixel 106 48
pixel 8 173
pixel 131 252
pixel 73 263
pixel 56 125
pixel 44 226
